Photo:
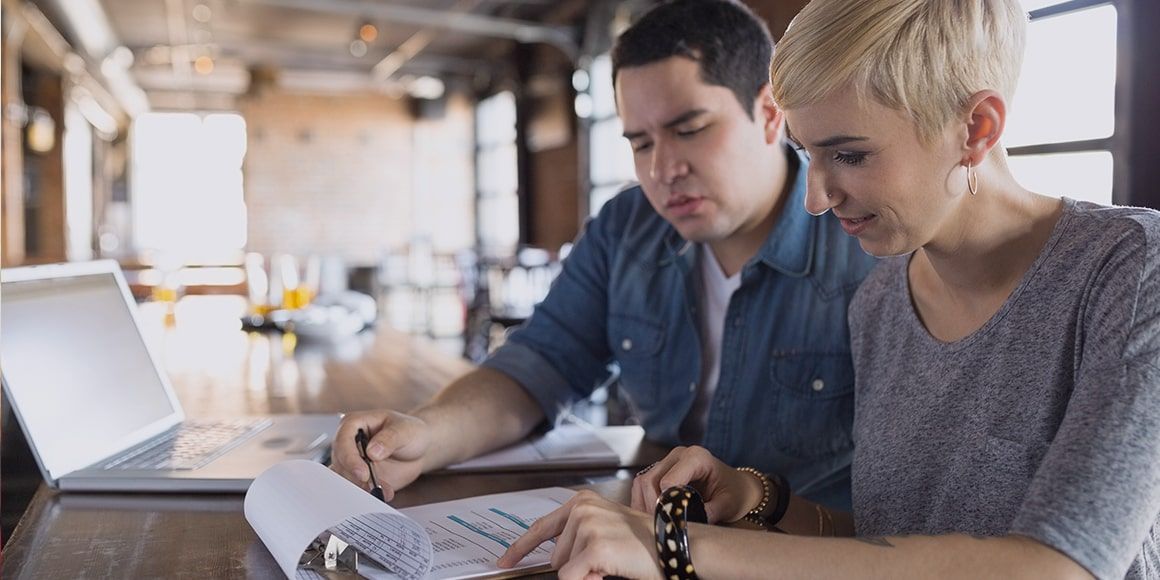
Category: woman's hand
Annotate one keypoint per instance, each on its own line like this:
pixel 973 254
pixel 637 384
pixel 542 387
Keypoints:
pixel 729 494
pixel 596 538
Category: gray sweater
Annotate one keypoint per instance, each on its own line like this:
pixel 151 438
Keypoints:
pixel 1045 422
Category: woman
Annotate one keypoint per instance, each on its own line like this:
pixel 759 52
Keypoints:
pixel 1007 355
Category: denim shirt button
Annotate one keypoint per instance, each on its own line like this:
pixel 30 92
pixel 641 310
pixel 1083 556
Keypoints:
pixel 626 344
pixel 692 387
pixel 819 384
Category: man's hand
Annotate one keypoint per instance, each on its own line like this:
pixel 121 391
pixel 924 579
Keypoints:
pixel 397 447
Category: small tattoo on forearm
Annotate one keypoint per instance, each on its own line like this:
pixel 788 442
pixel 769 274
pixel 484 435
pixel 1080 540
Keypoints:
pixel 875 541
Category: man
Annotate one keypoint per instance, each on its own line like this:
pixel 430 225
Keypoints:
pixel 722 301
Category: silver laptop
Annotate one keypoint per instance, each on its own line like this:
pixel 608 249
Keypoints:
pixel 98 411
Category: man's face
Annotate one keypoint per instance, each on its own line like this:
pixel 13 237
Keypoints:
pixel 703 162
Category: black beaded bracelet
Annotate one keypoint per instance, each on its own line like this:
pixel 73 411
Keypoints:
pixel 675 507
pixel 783 493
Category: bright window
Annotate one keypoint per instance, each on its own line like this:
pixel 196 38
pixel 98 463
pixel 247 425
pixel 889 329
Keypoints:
pixel 610 166
pixel 497 175
pixel 1062 122
pixel 1086 176
pixel 187 187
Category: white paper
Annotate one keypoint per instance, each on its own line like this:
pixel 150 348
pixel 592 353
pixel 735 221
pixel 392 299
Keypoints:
pixel 469 535
pixel 294 502
pixel 564 446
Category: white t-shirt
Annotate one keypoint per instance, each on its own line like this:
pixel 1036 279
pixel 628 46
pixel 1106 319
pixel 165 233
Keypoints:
pixel 714 290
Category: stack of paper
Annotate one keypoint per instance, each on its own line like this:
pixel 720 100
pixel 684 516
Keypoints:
pixel 565 447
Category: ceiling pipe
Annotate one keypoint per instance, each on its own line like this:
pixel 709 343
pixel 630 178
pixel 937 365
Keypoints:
pixel 89 26
pixel 519 30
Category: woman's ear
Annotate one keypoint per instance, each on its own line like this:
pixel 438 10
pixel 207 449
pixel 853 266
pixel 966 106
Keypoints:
pixel 986 118
pixel 768 114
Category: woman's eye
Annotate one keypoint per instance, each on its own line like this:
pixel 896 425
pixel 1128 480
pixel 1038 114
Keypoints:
pixel 850 158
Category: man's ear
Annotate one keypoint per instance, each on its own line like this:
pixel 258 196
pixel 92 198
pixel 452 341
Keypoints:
pixel 768 114
pixel 986 118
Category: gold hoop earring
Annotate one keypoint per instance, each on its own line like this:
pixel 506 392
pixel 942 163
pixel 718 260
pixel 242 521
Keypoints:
pixel 972 179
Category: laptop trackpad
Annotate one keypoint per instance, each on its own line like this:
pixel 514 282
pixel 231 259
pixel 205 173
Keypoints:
pixel 303 444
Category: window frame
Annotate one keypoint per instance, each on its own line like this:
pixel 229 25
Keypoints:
pixel 1117 143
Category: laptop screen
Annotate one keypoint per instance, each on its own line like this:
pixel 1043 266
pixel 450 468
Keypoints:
pixel 78 371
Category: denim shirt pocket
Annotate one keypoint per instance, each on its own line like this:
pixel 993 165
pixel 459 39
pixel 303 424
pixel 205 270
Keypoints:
pixel 636 345
pixel 813 405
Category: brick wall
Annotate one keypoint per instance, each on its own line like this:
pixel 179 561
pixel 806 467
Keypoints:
pixel 339 175
pixel 555 181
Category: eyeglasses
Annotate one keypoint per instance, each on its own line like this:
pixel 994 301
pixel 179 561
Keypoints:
pixel 361 440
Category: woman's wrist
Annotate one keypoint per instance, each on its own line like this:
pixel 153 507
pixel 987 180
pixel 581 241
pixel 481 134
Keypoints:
pixel 756 494
pixel 775 495
pixel 676 508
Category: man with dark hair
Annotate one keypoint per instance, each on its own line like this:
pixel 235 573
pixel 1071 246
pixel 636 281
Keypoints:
pixel 731 45
pixel 721 300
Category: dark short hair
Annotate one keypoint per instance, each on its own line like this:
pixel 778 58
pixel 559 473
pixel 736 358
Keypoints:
pixel 731 44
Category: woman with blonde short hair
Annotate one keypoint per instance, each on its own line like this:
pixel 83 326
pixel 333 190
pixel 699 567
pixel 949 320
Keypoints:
pixel 1007 350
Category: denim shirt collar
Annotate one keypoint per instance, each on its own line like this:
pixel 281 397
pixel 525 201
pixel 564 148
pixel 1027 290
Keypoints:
pixel 789 248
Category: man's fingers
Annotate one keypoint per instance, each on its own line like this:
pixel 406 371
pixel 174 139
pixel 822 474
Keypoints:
pixel 388 439
pixel 345 473
pixel 345 452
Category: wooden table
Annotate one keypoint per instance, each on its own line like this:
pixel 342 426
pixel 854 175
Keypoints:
pixel 219 370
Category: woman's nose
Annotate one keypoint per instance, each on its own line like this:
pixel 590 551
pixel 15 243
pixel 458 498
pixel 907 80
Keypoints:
pixel 819 197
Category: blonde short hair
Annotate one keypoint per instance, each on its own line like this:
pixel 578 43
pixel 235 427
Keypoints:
pixel 923 57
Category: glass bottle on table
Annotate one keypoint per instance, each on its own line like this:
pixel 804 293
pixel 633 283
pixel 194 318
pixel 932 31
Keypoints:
pixel 288 272
pixel 257 285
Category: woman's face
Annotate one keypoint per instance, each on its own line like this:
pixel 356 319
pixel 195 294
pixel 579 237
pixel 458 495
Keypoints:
pixel 891 190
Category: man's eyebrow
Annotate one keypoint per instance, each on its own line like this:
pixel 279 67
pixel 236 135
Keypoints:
pixel 678 120
pixel 684 118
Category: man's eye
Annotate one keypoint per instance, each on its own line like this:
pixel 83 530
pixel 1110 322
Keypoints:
pixel 690 132
pixel 638 147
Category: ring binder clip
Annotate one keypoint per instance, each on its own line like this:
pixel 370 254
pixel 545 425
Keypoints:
pixel 330 558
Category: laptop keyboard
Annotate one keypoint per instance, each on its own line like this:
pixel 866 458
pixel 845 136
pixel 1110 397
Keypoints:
pixel 190 446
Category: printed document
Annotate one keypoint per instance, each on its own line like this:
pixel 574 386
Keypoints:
pixel 296 504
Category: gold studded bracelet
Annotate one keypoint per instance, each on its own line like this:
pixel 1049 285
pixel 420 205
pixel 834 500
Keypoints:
pixel 771 508
pixel 754 514
pixel 677 506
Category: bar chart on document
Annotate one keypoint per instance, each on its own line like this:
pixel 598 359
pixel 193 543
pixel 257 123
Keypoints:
pixel 468 536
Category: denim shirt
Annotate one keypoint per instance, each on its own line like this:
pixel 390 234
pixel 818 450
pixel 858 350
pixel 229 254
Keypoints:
pixel 627 293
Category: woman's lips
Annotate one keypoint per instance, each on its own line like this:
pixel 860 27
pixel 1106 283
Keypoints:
pixel 855 226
